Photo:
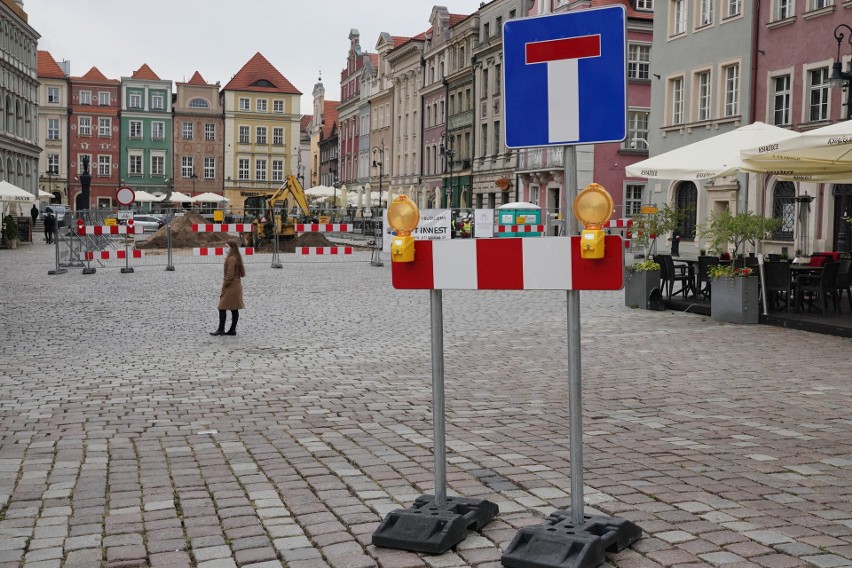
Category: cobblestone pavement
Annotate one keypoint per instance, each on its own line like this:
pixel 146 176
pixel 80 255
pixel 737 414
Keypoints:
pixel 131 437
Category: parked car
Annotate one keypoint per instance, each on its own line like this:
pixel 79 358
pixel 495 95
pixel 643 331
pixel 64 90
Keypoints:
pixel 58 211
pixel 148 223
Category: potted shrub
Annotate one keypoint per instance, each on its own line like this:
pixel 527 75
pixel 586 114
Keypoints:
pixel 648 227
pixel 10 232
pixel 722 229
pixel 734 296
pixel 640 280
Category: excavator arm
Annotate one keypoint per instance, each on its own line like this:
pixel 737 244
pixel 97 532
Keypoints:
pixel 291 188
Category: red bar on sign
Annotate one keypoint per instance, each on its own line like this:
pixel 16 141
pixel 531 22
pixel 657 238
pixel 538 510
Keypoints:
pixel 566 48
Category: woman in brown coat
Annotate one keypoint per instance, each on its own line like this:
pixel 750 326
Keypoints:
pixel 231 296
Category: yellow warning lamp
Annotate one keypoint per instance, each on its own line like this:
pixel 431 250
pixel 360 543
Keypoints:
pixel 403 217
pixel 593 207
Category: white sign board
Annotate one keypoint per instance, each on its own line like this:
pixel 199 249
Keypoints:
pixel 124 214
pixel 483 223
pixel 434 225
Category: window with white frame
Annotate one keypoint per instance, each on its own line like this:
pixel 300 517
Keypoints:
pixel 731 74
pixel 277 170
pixel 633 198
pixel 103 98
pixel 84 126
pixel 53 95
pixel 260 134
pixel 638 61
pixel 187 130
pixel 53 129
pixel 104 126
pixel 53 163
pixel 187 168
pixel 784 9
pixel 781 100
pixel 135 100
pixel 278 135
pixel 134 164
pixel 819 4
pixel 104 165
pixel 210 132
pixel 278 106
pixel 198 103
pixel 637 130
pixel 733 7
pixel 85 97
pixel 136 129
pixel 158 130
pixel 677 14
pixel 260 169
pixel 260 105
pixel 705 12
pixel 244 134
pixel 158 164
pixel 157 102
pixel 245 104
pixel 702 96
pixel 209 168
pixel 818 94
pixel 243 168
pixel 676 100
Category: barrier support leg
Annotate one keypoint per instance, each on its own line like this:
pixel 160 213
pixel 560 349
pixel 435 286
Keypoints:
pixel 88 269
pixel 170 267
pixel 57 269
pixel 276 260
pixel 435 523
pixel 126 269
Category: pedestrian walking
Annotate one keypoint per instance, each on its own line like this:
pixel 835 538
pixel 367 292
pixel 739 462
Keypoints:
pixel 49 228
pixel 34 213
pixel 231 296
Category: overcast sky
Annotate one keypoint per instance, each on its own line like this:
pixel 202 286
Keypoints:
pixel 217 37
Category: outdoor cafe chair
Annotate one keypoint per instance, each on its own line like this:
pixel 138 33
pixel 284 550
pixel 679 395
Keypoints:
pixel 675 273
pixel 704 264
pixel 820 287
pixel 843 282
pixel 778 285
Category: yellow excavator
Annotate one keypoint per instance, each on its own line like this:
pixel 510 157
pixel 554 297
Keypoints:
pixel 270 214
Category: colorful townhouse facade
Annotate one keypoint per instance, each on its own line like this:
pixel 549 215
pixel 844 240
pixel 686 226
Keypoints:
pixel 198 138
pixel 146 132
pixel 349 111
pixel 94 134
pixel 262 129
pixel 53 128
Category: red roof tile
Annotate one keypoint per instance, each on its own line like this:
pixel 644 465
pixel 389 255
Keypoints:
pixel 197 79
pixel 330 115
pixel 399 40
pixel 456 18
pixel 95 76
pixel 305 122
pixel 261 76
pixel 47 66
pixel 145 73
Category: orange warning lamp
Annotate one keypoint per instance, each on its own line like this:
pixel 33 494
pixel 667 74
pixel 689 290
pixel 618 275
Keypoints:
pixel 593 207
pixel 403 217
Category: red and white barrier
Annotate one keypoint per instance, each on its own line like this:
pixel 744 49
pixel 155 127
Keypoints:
pixel 111 254
pixel 625 224
pixel 107 230
pixel 324 228
pixel 520 228
pixel 220 251
pixel 323 250
pixel 551 263
pixel 221 227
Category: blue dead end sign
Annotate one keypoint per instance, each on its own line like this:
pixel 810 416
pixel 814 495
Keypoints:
pixel 565 78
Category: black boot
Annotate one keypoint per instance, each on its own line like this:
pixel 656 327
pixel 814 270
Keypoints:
pixel 235 317
pixel 221 330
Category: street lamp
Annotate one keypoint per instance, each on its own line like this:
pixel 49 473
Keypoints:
pixel 449 155
pixel 51 171
pixel 378 162
pixel 839 78
pixel 193 177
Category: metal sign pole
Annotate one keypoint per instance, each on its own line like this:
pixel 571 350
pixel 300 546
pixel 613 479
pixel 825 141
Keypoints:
pixel 575 385
pixel 436 306
pixel 276 260
pixel 169 265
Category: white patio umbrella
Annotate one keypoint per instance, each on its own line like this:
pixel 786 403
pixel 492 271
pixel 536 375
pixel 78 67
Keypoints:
pixel 388 197
pixel 178 197
pixel 361 191
pixel 44 194
pixel 821 155
pixel 711 157
pixel 142 196
pixel 13 194
pixel 210 198
pixel 368 197
pixel 320 191
pixel 342 196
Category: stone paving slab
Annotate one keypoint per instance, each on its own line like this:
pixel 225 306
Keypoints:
pixel 130 437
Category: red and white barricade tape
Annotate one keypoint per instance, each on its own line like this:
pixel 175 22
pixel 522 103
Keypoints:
pixel 520 228
pixel 107 230
pixel 323 228
pixel 625 224
pixel 550 263
pixel 323 250
pixel 220 251
pixel 111 254
pixel 221 227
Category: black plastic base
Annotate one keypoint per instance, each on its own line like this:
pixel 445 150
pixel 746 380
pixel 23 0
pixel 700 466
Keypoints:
pixel 57 271
pixel 127 270
pixel 170 268
pixel 558 543
pixel 277 265
pixel 425 527
pixel 89 270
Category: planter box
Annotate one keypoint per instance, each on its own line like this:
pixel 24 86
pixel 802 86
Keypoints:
pixel 734 300
pixel 638 287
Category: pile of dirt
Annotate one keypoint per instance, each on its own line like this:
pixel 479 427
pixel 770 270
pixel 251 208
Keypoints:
pixel 184 237
pixel 304 240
